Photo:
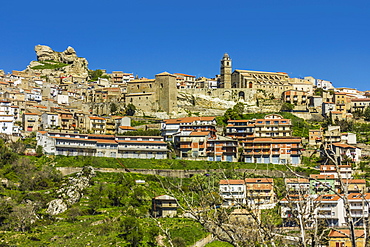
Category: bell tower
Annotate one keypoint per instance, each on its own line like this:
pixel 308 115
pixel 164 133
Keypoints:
pixel 226 71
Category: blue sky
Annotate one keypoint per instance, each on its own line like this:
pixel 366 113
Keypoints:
pixel 325 39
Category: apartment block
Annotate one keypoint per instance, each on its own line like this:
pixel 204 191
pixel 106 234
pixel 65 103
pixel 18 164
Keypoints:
pixel 233 192
pixel 299 186
pixel 173 129
pixel 272 125
pixel 71 144
pixel 254 191
pixel 260 191
pixel 97 125
pixel 272 150
pixel 222 149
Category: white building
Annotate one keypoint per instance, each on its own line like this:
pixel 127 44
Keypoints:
pixel 49 120
pixel 71 144
pixel 184 126
pixel 342 150
pixel 329 208
pixel 7 118
pixel 326 85
pixel 332 209
pixel 233 192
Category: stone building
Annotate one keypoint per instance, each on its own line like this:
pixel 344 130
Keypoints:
pixel 297 98
pixel 226 69
pixel 272 83
pixel 153 95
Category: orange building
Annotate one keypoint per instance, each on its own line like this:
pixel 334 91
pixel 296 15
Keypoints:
pixel 272 150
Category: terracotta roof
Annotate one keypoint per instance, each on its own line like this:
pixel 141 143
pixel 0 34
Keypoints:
pixel 259 180
pixel 354 181
pixel 104 141
pixel 342 145
pixel 321 176
pixel 199 133
pixel 259 186
pixel 232 181
pixel 324 198
pixel 359 196
pixel 184 75
pixel 73 138
pixel 240 120
pixel 361 100
pixel 127 128
pixel 344 233
pixel 106 136
pixel 296 180
pixel 97 118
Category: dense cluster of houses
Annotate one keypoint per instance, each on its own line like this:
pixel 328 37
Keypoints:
pixel 267 140
pixel 321 196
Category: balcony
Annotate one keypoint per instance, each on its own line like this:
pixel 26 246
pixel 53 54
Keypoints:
pixel 358 207
pixel 71 146
pixel 326 216
pixel 162 149
pixel 324 208
pixel 359 215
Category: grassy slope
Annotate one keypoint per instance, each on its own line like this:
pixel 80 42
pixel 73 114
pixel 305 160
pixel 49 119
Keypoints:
pixel 108 224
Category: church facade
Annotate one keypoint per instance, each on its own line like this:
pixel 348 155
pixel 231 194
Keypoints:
pixel 272 83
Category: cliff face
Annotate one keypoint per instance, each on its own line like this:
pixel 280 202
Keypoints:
pixel 56 64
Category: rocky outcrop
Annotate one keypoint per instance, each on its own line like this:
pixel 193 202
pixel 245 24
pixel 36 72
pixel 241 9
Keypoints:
pixel 71 191
pixel 66 63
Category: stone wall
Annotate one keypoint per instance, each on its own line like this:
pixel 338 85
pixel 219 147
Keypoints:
pixel 227 94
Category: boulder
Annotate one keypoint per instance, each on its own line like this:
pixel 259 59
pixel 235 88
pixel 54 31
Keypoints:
pixel 72 191
pixel 72 64
pixel 56 206
pixel 45 53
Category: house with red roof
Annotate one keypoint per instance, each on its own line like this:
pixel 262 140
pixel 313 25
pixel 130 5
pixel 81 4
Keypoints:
pixel 341 238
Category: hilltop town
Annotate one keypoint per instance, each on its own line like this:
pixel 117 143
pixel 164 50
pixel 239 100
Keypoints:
pixel 67 104
pixel 311 138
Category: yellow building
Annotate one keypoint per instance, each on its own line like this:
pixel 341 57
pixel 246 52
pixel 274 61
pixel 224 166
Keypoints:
pixel 340 238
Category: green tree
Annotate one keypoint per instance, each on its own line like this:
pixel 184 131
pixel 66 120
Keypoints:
pixel 232 113
pixel 39 151
pixel 6 155
pixel 96 74
pixel 130 109
pixel 319 91
pixel 22 217
pixel 113 108
pixel 367 114
pixel 287 107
